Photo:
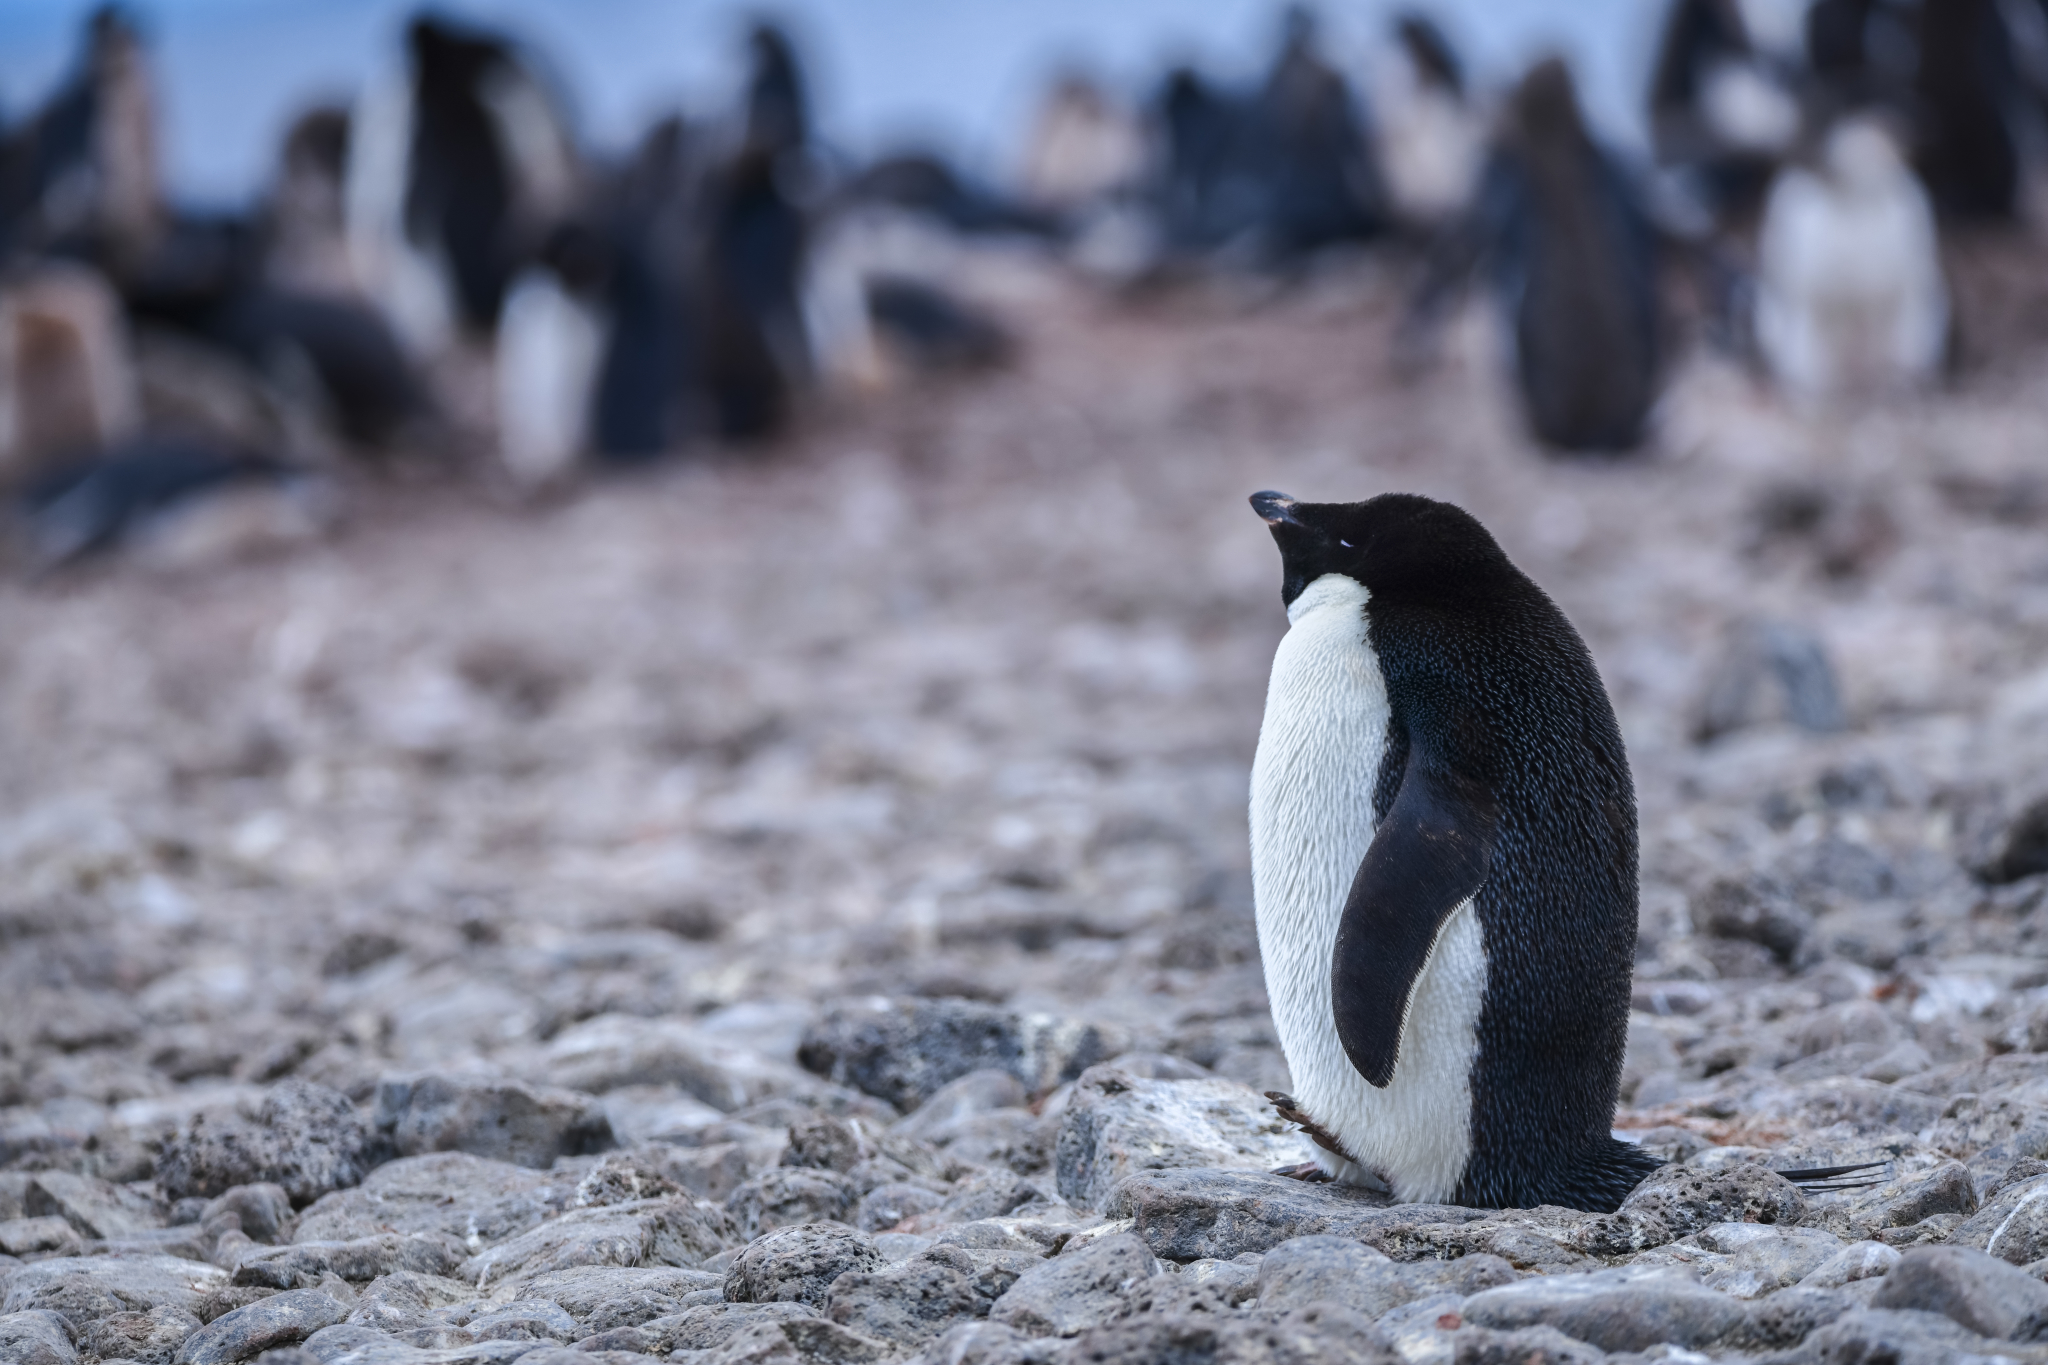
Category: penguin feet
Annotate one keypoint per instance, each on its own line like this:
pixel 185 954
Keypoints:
pixel 1307 1172
pixel 1284 1104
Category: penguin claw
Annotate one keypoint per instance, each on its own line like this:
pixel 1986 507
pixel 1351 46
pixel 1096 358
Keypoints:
pixel 1307 1172
pixel 1285 1106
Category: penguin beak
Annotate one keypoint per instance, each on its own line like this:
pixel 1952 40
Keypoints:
pixel 1275 509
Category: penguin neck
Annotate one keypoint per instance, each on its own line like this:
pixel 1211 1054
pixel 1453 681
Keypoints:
pixel 1333 591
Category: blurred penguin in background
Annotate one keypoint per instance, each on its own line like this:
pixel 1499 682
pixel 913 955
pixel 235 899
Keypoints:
pixel 459 168
pixel 1850 294
pixel 1965 91
pixel 1575 260
pixel 1211 189
pixel 306 230
pixel 80 176
pixel 1722 108
pixel 1320 183
pixel 67 376
pixel 1430 140
pixel 1084 148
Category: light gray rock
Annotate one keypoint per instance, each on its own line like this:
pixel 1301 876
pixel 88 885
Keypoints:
pixel 613 1051
pixel 501 1120
pixel 788 1195
pixel 674 1232
pixel 467 1197
pixel 1078 1290
pixel 709 1326
pixel 1188 1215
pixel 712 1171
pixel 151 1338
pixel 97 1208
pixel 525 1319
pixel 909 1303
pixel 1424 1332
pixel 1976 1291
pixel 1308 1270
pixel 615 1296
pixel 905 1051
pixel 798 1264
pixel 1615 1310
pixel 1763 1259
pixel 262 1212
pixel 301 1265
pixel 967 1097
pixel 1677 1200
pixel 280 1320
pixel 1911 1199
pixel 1856 1261
pixel 623 1177
pixel 885 1206
pixel 40 1237
pixel 1117 1125
pixel 403 1299
pixel 36 1336
pixel 332 1343
pixel 993 1194
pixel 84 1289
pixel 1785 1319
pixel 990 1343
pixel 303 1137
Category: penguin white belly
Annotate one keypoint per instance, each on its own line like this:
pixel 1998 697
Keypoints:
pixel 1319 755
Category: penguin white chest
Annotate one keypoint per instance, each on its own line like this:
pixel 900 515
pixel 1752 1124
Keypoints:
pixel 1320 749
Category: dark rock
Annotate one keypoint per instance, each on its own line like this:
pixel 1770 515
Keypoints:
pixel 454 1193
pixel 911 1302
pixel 1080 1289
pixel 304 1137
pixel 280 1320
pixel 2012 1224
pixel 97 1208
pixel 1971 1289
pixel 1528 1346
pixel 1117 1125
pixel 303 1264
pixel 905 1051
pixel 36 1336
pixel 712 1171
pixel 263 1212
pixel 227 1298
pixel 1309 1270
pixel 673 1232
pixel 84 1289
pixel 1188 1215
pixel 788 1195
pixel 622 1178
pixel 1748 912
pixel 825 1143
pixel 2024 850
pixel 992 1194
pixel 1787 1318
pixel 887 1205
pixel 151 1338
pixel 798 1264
pixel 1677 1200
pixel 502 1120
pixel 1304 1336
pixel 1624 1310
pixel 1875 1336
pixel 800 1341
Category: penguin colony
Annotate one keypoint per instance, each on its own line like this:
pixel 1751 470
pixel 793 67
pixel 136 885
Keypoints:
pixel 706 284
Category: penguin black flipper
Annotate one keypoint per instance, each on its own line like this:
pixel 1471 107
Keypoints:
pixel 1429 856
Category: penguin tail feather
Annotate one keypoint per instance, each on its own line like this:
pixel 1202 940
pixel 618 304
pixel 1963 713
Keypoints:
pixel 1603 1175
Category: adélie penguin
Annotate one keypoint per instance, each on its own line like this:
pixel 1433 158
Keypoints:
pixel 1444 864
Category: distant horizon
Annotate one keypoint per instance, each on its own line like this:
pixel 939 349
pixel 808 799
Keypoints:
pixel 886 73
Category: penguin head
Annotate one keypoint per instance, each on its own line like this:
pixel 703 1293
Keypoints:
pixel 1398 544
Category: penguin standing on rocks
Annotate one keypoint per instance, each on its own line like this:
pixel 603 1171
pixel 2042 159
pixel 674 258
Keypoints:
pixel 1444 863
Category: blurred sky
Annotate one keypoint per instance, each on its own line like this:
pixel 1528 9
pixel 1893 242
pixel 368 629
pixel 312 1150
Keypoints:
pixel 964 74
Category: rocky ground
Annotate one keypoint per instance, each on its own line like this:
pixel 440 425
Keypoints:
pixel 793 907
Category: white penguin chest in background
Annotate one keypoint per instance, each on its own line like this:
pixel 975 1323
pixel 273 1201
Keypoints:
pixel 1320 749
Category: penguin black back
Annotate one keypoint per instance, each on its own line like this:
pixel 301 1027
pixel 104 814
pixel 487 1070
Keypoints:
pixel 1503 783
pixel 459 192
pixel 1578 263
